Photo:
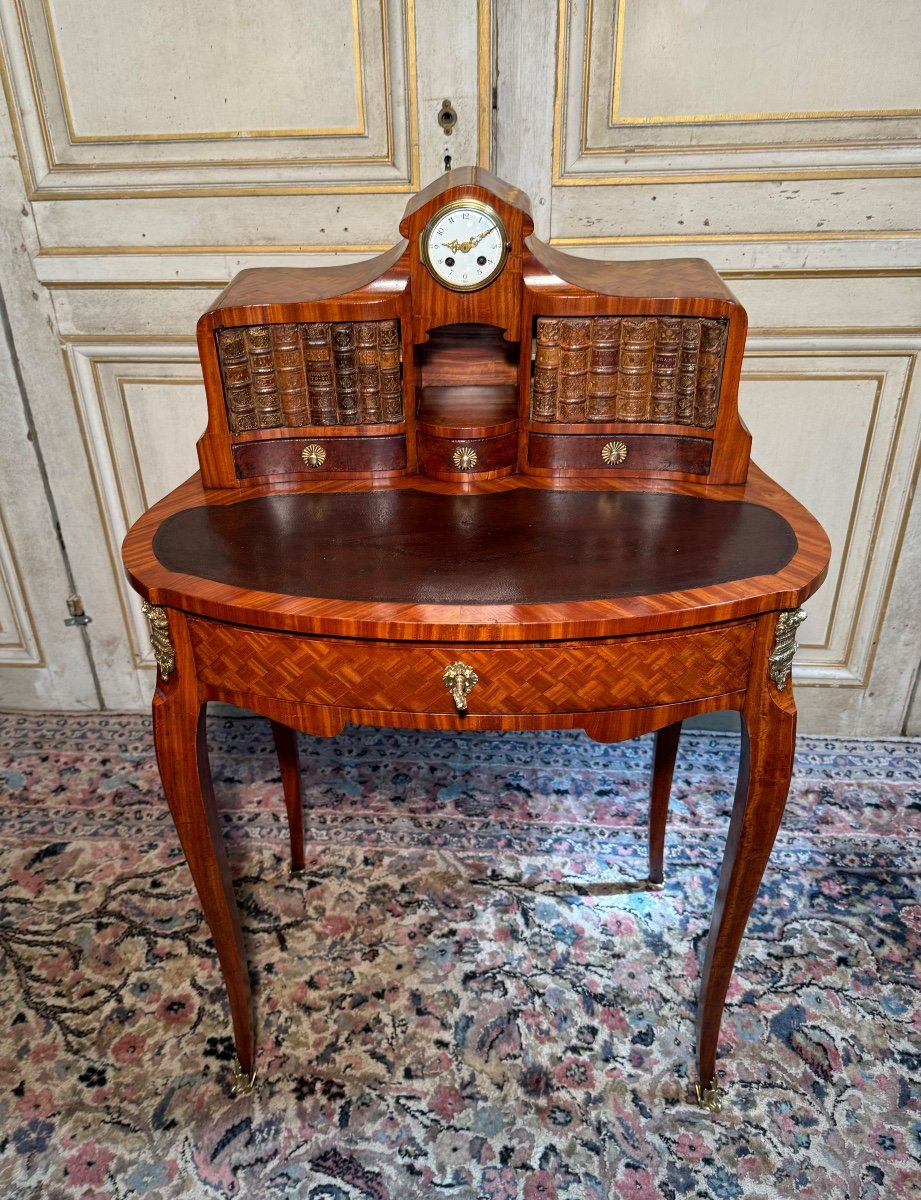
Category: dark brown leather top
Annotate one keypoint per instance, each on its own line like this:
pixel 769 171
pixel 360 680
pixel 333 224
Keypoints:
pixel 521 546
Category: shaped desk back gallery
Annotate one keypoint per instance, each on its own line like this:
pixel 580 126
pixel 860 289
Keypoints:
pixel 477 483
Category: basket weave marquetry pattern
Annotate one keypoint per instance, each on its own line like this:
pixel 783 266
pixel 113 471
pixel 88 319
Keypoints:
pixel 512 679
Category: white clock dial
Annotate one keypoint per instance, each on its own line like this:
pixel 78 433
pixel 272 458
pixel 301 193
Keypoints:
pixel 465 245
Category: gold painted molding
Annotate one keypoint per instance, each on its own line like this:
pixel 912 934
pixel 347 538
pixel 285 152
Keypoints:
pixel 24 636
pixel 306 248
pixel 357 130
pixel 36 191
pixel 484 66
pixel 716 118
pixel 559 178
pixel 812 235
pixel 902 521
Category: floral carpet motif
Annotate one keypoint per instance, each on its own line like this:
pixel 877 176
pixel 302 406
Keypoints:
pixel 468 995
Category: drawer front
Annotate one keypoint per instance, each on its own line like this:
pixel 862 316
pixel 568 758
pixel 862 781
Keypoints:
pixel 542 678
pixel 578 453
pixel 466 458
pixel 320 456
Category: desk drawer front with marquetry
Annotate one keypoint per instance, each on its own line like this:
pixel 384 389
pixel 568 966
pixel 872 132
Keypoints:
pixel 538 678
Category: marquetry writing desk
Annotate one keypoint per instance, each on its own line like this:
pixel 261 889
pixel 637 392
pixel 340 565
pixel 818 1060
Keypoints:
pixel 495 490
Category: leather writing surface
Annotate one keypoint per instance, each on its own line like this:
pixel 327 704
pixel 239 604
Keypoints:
pixel 524 546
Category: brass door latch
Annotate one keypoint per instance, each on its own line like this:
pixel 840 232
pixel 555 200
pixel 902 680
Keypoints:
pixel 77 614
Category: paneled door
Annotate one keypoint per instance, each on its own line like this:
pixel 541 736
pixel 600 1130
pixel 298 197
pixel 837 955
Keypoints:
pixel 150 151
pixel 780 142
pixel 147 153
pixel 43 662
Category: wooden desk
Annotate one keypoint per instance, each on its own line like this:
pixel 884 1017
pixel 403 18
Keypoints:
pixel 618 602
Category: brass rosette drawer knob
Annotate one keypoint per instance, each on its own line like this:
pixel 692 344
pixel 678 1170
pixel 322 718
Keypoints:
pixel 613 453
pixel 465 458
pixel 460 680
pixel 313 455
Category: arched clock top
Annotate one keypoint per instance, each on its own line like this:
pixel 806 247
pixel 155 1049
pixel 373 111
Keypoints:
pixel 453 184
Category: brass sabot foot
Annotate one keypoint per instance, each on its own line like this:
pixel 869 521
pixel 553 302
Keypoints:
pixel 708 1097
pixel 241 1083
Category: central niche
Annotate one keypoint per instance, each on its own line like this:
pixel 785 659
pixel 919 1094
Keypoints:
pixel 467 403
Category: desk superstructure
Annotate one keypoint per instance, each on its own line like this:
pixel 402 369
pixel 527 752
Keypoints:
pixel 476 483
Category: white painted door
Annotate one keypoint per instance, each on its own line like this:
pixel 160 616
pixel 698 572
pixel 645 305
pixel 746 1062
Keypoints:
pixel 152 150
pixel 148 152
pixel 43 662
pixel 779 141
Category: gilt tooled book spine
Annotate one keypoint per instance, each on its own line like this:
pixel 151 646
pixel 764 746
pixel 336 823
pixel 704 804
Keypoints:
pixel 238 386
pixel 369 376
pixel 290 374
pixel 546 369
pixel 634 378
pixel 712 337
pixel 388 337
pixel 663 404
pixel 262 373
pixel 688 356
pixel 345 374
pixel 603 363
pixel 572 400
pixel 318 361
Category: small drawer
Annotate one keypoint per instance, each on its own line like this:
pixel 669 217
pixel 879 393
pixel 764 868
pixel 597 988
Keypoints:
pixel 320 456
pixel 460 458
pixel 612 453
pixel 554 677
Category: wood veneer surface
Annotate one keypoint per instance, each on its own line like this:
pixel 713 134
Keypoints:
pixel 468 411
pixel 283 456
pixel 467 355
pixel 581 454
pixel 671 278
pixel 269 286
pixel 522 547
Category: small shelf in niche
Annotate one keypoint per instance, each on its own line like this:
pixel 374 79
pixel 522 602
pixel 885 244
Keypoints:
pixel 478 411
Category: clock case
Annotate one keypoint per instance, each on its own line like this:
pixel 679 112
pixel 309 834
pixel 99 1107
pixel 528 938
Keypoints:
pixel 445 213
pixel 563 367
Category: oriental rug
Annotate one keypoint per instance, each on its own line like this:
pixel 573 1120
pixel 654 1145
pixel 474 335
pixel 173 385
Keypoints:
pixel 469 995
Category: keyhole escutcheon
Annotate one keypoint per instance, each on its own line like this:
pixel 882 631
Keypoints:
pixel 447 117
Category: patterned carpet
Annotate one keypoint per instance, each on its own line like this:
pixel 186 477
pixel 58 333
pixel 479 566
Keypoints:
pixel 466 997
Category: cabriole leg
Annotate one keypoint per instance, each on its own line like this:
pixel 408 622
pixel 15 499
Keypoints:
pixel 768 736
pixel 290 765
pixel 182 756
pixel 663 769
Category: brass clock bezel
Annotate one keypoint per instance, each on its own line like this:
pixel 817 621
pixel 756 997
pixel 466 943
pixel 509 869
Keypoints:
pixel 437 216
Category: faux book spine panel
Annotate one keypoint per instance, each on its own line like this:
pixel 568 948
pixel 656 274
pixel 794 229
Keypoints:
pixel 315 373
pixel 659 370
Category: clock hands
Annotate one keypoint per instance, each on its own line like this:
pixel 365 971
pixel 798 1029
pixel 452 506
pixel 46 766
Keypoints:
pixel 467 246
